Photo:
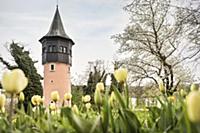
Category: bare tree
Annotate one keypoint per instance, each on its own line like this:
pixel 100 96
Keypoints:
pixel 157 41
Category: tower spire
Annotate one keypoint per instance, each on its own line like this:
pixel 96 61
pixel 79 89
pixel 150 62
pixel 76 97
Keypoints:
pixel 56 3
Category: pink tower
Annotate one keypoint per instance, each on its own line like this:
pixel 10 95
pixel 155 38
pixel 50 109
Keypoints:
pixel 56 59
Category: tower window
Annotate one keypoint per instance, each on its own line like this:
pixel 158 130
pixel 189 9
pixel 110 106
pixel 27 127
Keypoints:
pixel 50 48
pixel 52 67
pixel 64 50
pixel 53 48
pixel 61 49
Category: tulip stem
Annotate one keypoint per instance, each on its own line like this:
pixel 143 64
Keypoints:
pixel 11 109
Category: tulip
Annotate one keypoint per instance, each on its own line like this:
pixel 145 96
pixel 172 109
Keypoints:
pixel 183 93
pixel 100 86
pixel 86 98
pixel 121 75
pixel 14 81
pixel 3 109
pixel 193 106
pixel 75 109
pixel 112 99
pixel 97 97
pixel 171 98
pixel 194 87
pixel 88 105
pixel 52 106
pixel 36 100
pixel 68 96
pixel 55 96
pixel 161 87
pixel 21 97
pixel 2 101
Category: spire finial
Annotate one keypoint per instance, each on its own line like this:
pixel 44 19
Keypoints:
pixel 56 3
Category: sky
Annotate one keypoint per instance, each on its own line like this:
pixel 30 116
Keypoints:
pixel 90 23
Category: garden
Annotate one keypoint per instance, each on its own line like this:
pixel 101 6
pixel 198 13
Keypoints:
pixel 110 112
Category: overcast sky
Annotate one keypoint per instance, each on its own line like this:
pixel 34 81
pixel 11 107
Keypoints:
pixel 90 23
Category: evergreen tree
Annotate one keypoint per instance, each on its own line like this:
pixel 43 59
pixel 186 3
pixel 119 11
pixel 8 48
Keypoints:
pixel 25 63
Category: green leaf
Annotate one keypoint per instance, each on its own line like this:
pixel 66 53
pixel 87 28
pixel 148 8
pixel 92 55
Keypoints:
pixel 106 113
pixel 119 97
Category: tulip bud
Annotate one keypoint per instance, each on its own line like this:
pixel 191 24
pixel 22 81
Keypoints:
pixel 193 106
pixel 68 96
pixel 86 98
pixel 2 100
pixel 112 99
pixel 3 109
pixel 171 98
pixel 75 109
pixel 14 81
pixel 55 96
pixel 21 97
pixel 194 87
pixel 88 105
pixel 161 87
pixel 52 106
pixel 100 86
pixel 36 100
pixel 183 93
pixel 97 97
pixel 121 75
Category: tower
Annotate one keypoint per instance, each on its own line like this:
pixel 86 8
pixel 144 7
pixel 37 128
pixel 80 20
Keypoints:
pixel 56 59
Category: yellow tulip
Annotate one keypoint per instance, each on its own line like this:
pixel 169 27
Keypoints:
pixel 75 109
pixel 21 97
pixel 88 105
pixel 86 98
pixel 194 87
pixel 112 99
pixel 100 86
pixel 97 97
pixel 171 98
pixel 68 96
pixel 2 100
pixel 193 106
pixel 52 106
pixel 121 75
pixel 36 100
pixel 161 87
pixel 14 81
pixel 55 96
pixel 183 92
pixel 3 109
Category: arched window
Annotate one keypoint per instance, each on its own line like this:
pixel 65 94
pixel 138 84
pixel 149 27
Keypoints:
pixel 52 67
pixel 50 49
pixel 53 48
pixel 64 50
pixel 61 49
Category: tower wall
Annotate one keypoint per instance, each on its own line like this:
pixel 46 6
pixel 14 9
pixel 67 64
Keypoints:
pixel 56 80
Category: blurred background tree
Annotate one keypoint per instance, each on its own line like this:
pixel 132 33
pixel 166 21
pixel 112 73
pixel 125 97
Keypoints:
pixel 158 41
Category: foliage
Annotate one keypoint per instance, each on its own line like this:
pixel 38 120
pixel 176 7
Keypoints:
pixel 96 75
pixel 24 62
pixel 77 93
pixel 110 113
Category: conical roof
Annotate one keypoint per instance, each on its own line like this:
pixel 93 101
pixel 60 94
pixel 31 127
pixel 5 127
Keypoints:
pixel 57 28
